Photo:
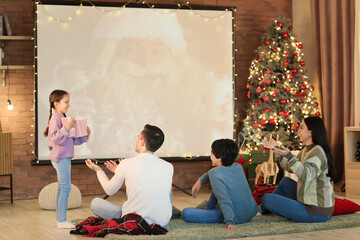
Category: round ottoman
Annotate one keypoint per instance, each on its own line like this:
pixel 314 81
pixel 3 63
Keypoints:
pixel 47 197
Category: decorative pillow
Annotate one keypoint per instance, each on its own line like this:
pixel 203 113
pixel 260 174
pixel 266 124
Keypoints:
pixel 345 206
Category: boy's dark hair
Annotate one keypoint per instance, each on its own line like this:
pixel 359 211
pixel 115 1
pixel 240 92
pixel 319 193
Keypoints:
pixel 226 149
pixel 153 136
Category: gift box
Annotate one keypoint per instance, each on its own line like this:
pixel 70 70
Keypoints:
pixel 243 159
pixel 260 156
pixel 80 129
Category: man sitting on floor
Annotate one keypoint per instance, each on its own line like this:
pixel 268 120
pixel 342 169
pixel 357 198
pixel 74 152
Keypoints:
pixel 148 181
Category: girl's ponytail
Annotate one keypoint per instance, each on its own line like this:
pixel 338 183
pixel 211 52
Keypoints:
pixel 46 133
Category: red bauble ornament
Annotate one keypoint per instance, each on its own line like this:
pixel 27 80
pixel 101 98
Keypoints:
pixel 295 94
pixel 302 63
pixel 287 55
pixel 268 71
pixel 255 125
pixel 290 76
pixel 286 63
pixel 272 121
pixel 286 114
pixel 293 128
pixel 274 49
pixel 317 114
pixel 296 54
pixel 263 86
pixel 280 24
pixel 294 70
pixel 248 95
pixel 258 90
pixel 267 42
pixel 266 99
pixel 259 102
pixel 255 104
pixel 273 95
pixel 290 27
pixel 305 70
pixel 287 89
pixel 283 101
pixel 311 88
pixel 247 86
pixel 260 79
pixel 267 110
pixel 316 103
pixel 300 46
pixel 259 59
pixel 303 87
pixel 285 35
pixel 268 82
pixel 280 113
pixel 278 80
pixel 262 122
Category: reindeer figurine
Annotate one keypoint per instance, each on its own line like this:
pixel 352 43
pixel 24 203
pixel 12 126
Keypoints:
pixel 269 168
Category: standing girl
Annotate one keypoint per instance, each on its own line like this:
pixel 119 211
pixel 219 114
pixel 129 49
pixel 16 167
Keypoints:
pixel 61 147
pixel 311 198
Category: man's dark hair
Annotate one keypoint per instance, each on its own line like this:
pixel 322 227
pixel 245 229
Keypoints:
pixel 153 136
pixel 226 149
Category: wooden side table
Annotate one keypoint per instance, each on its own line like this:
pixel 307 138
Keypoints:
pixel 6 166
pixel 352 166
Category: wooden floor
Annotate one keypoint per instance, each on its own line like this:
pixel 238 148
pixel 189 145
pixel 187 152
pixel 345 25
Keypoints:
pixel 24 220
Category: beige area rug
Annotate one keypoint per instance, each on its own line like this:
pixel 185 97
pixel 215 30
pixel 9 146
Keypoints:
pixel 259 226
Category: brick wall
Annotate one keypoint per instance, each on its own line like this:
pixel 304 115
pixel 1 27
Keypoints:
pixel 252 18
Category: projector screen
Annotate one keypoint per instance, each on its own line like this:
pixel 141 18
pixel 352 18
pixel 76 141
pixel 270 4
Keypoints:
pixel 127 67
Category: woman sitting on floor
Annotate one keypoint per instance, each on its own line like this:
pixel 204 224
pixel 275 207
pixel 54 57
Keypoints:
pixel 229 189
pixel 311 199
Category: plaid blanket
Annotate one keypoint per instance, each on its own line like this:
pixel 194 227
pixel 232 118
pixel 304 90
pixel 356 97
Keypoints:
pixel 131 224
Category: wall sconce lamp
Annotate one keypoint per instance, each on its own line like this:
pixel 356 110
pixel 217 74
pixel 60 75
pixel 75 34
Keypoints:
pixel 10 107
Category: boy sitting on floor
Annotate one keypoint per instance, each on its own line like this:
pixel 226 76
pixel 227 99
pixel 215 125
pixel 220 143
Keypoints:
pixel 229 189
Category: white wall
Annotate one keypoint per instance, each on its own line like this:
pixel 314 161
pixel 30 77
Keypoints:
pixel 303 30
pixel 302 27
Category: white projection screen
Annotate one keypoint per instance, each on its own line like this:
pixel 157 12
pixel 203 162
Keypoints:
pixel 127 67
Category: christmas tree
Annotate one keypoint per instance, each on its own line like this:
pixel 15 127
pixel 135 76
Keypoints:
pixel 280 94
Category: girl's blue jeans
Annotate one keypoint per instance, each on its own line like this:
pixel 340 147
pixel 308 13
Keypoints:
pixel 279 204
pixel 63 170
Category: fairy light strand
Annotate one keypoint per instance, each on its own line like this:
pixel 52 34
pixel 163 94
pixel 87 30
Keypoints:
pixel 150 6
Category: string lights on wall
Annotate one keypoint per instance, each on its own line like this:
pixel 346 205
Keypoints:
pixel 186 5
pixel 66 20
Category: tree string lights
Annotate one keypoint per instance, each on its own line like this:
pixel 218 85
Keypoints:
pixel 280 94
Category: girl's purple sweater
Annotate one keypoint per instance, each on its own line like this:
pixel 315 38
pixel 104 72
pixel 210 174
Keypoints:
pixel 60 144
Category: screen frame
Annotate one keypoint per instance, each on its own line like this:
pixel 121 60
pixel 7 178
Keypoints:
pixel 37 162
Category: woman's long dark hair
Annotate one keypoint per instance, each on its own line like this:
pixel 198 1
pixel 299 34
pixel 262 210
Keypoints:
pixel 55 96
pixel 319 137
